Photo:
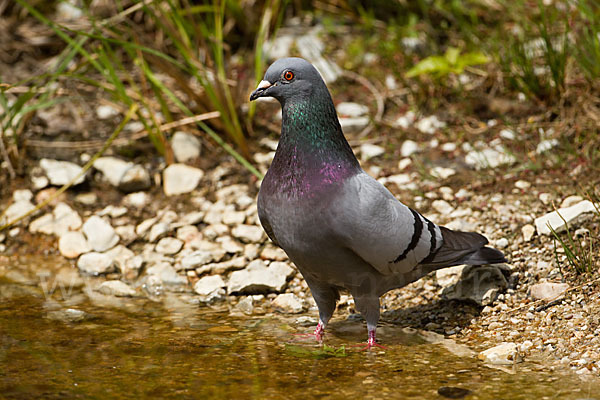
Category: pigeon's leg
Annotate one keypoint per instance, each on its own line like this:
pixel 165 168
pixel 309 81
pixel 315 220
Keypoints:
pixel 325 296
pixel 368 306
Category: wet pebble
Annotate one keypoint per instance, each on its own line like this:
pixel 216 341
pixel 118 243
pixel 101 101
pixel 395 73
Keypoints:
pixel 287 303
pixel 116 288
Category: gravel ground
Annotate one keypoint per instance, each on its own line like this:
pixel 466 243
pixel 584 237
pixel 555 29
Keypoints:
pixel 209 242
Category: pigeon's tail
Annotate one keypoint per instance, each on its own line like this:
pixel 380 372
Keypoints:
pixel 463 248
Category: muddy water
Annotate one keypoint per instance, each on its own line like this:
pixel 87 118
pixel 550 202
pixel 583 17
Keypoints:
pixel 170 348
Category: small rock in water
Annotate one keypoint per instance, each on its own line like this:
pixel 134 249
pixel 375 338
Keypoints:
pixel 211 288
pixel 503 354
pixel 548 290
pixel 73 244
pixel 116 288
pixel 245 306
pixel 180 178
pixel 61 172
pixel 185 146
pixel 165 273
pixel 100 234
pixel 287 303
pixel 451 392
pixel 68 315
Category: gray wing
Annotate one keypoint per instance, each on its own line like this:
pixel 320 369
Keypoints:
pixel 384 232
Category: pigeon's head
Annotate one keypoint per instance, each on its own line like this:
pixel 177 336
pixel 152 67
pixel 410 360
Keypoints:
pixel 288 78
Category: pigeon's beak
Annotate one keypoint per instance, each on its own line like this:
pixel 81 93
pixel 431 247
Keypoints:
pixel 260 90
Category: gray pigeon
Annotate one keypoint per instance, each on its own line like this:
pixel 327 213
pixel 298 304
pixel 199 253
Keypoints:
pixel 342 228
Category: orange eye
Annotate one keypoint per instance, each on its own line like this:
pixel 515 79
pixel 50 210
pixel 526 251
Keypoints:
pixel 288 75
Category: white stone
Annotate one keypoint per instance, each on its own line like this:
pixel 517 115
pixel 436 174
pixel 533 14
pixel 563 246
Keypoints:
pixel 368 151
pixel 527 231
pixel 124 259
pixel 442 206
pixel 137 199
pixel 168 245
pixel 287 303
pixel 507 134
pixel 571 201
pixel 258 278
pixel 404 163
pixel 73 244
pixel 61 172
pixel 248 233
pixel 449 147
pixel 408 148
pixel 449 276
pixel 572 215
pixel 166 274
pixel 503 354
pixel 547 290
pixel 39 182
pixel 158 231
pixel 125 175
pixel 180 178
pixel 405 121
pixel 95 263
pixel 245 305
pixel 520 184
pixel 489 157
pixel 16 210
pixel 116 288
pixel 271 252
pixel 348 109
pixel 106 111
pixel 501 243
pixel 442 172
pixel 87 199
pixel 209 284
pixel 196 259
pixel 353 125
pixel 546 145
pixel 185 146
pixel 22 195
pixel 545 198
pixel 430 124
pixel 480 284
pixel 100 234
pixel 62 220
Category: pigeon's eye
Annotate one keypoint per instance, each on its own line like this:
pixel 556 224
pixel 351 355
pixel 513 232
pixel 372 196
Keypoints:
pixel 288 75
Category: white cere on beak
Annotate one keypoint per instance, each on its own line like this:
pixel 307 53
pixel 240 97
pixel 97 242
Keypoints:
pixel 264 85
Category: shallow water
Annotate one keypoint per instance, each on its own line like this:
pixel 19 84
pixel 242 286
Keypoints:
pixel 138 348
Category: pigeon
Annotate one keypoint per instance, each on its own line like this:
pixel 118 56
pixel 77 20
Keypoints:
pixel 339 226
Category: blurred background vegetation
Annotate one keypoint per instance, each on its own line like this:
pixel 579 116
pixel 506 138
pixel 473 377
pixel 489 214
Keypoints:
pixel 177 63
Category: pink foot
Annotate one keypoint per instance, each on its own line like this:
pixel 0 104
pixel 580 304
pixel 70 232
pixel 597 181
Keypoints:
pixel 317 334
pixel 371 342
